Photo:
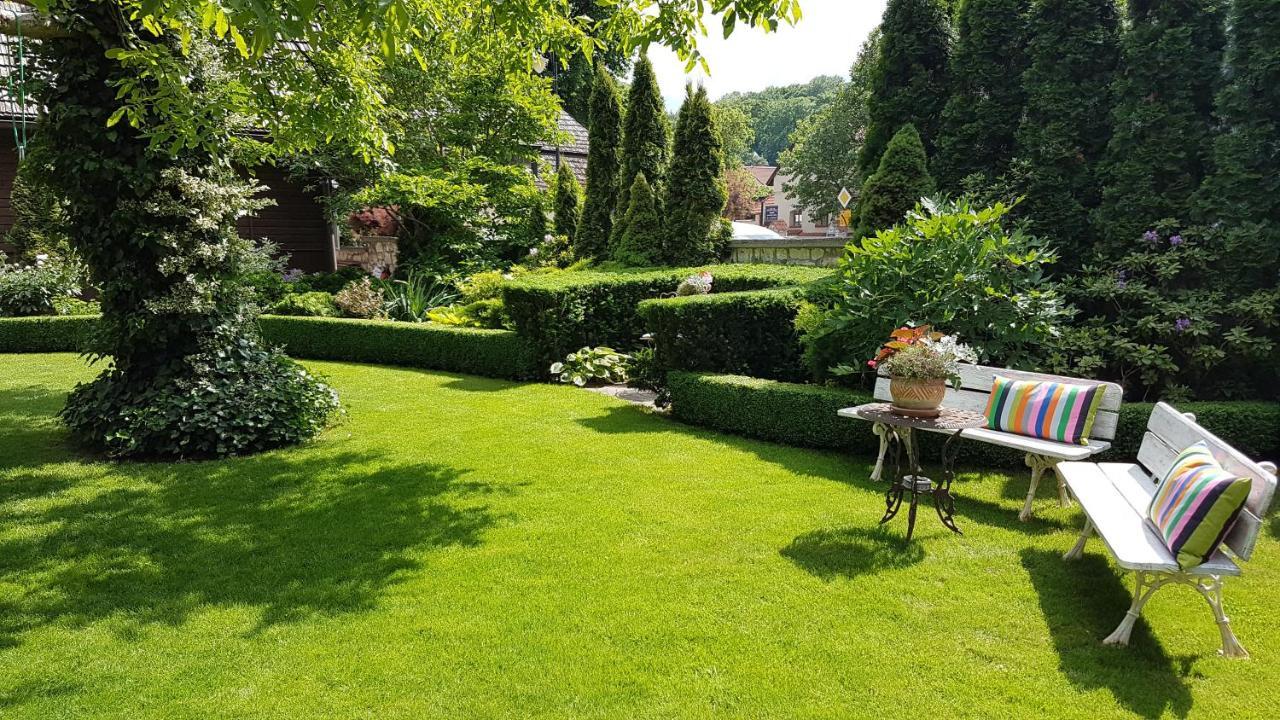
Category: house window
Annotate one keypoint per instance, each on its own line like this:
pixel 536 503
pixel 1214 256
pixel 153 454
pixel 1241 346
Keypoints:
pixel 820 220
pixel 795 218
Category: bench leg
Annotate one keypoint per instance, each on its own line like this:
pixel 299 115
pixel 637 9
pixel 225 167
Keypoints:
pixel 885 434
pixel 1038 464
pixel 1147 585
pixel 1078 549
pixel 1211 589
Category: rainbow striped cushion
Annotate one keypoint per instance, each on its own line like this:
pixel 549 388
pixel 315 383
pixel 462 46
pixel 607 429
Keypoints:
pixel 1196 504
pixel 1044 409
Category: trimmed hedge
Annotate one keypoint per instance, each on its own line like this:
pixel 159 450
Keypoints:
pixel 562 312
pixel 63 333
pixel 805 415
pixel 750 333
pixel 494 353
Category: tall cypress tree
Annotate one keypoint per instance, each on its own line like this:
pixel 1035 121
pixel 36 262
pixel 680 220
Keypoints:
pixel 695 185
pixel 899 183
pixel 596 223
pixel 1161 141
pixel 568 201
pixel 640 227
pixel 1243 193
pixel 909 82
pixel 1073 49
pixel 646 138
pixel 980 121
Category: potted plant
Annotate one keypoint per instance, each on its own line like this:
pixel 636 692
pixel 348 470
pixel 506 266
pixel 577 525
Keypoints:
pixel 919 363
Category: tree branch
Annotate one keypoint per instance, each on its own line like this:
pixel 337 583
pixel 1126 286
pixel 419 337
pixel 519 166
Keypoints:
pixel 31 26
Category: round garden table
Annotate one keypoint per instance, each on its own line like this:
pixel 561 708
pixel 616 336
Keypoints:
pixel 912 482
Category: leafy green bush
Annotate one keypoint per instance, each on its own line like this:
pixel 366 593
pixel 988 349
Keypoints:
pixel 33 289
pixel 897 186
pixel 360 299
pixel 751 332
pixel 307 304
pixel 950 265
pixel 76 306
pixel 592 365
pixel 559 312
pixel 493 353
pixel 46 333
pixel 412 299
pixel 489 313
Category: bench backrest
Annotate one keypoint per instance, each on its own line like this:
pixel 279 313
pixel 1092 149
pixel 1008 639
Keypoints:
pixel 1169 432
pixel 975 390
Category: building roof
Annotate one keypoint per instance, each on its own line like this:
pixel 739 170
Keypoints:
pixel 572 150
pixel 763 173
pixel 10 108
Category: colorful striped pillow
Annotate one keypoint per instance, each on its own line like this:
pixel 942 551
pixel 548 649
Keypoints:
pixel 1196 504
pixel 1044 409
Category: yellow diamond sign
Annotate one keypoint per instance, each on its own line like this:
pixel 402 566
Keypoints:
pixel 844 197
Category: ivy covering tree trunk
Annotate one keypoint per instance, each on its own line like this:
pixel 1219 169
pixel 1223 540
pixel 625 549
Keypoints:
pixel 187 373
pixel 695 186
pixel 980 121
pixel 596 225
pixel 1073 51
pixel 646 139
pixel 909 84
pixel 568 201
pixel 900 182
pixel 1162 124
pixel 641 241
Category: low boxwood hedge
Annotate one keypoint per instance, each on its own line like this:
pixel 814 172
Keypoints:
pixel 562 312
pixel 805 415
pixel 494 353
pixel 750 333
pixel 46 334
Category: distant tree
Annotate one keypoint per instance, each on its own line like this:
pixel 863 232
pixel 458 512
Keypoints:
pixel 909 83
pixel 744 193
pixel 1161 142
pixel 640 241
pixel 776 111
pixel 823 157
pixel 736 133
pixel 1244 191
pixel 980 121
pixel 899 183
pixel 603 165
pixel 695 192
pixel 568 201
pixel 1073 51
pixel 574 77
pixel 646 138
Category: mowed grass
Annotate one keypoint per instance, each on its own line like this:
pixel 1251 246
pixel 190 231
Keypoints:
pixel 471 548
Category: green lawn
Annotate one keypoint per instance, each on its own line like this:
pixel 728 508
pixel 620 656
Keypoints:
pixel 462 547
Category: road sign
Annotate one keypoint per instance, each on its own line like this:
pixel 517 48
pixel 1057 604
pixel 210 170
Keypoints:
pixel 844 197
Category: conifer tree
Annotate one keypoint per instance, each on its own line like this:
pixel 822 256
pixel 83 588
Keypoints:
pixel 1073 51
pixel 909 82
pixel 596 224
pixel 646 138
pixel 640 240
pixel 568 201
pixel 695 185
pixel 980 121
pixel 1242 196
pixel 899 183
pixel 1161 141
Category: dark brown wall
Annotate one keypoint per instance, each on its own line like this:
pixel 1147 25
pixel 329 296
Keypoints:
pixel 8 168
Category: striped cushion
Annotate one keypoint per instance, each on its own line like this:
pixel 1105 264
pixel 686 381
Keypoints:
pixel 1196 504
pixel 1044 409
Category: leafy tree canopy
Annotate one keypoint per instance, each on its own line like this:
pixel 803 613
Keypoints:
pixel 776 111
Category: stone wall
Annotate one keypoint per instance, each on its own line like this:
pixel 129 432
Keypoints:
pixel 375 253
pixel 822 252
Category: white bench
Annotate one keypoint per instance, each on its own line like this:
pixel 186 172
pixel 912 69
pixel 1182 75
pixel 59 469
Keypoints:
pixel 1041 455
pixel 1115 497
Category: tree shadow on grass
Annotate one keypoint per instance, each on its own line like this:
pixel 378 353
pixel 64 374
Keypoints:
pixel 292 533
pixel 1083 601
pixel 30 431
pixel 472 383
pixel 847 552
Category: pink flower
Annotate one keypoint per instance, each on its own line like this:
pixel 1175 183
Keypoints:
pixel 871 364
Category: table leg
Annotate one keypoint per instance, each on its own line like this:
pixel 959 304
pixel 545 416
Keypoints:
pixel 893 496
pixel 943 501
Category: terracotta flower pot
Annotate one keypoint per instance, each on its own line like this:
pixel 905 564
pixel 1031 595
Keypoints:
pixel 915 397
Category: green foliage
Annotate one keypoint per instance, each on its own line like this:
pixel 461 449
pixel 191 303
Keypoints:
pixel 751 332
pixel 646 144
pixel 592 366
pixel 492 353
pixel 329 282
pixel 39 216
pixel 775 112
pixel 568 202
pixel 307 304
pixel 980 120
pixel 1160 144
pixel 641 241
pixel 695 187
pixel 411 299
pixel 76 306
pixel 645 373
pixel 1073 53
pixel 603 167
pixel 909 83
pixel 736 133
pixel 46 333
pixel 558 312
pixel 37 288
pixel 950 265
pixel 487 313
pixel 359 299
pixel 897 186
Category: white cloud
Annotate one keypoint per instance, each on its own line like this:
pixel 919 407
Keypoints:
pixel 824 42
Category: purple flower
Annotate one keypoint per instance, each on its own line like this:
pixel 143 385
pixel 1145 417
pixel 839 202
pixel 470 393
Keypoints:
pixel 1122 279
pixel 1151 236
pixel 1182 325
pixel 1175 240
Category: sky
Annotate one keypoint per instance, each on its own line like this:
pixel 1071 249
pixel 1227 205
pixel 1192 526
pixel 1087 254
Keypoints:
pixel 824 42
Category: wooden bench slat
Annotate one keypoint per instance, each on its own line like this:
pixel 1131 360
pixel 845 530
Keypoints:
pixel 982 377
pixel 1133 482
pixel 1048 448
pixel 1104 424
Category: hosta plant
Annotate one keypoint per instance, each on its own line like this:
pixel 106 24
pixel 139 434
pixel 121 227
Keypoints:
pixel 590 366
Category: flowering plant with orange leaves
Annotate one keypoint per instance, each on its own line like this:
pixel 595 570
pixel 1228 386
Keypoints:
pixel 921 353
